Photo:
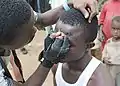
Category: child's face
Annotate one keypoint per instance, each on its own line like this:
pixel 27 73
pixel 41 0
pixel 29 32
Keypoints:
pixel 115 30
pixel 76 38
pixel 25 34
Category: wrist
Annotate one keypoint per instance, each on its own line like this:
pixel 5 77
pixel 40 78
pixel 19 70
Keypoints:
pixel 35 16
pixel 66 6
pixel 38 20
pixel 47 63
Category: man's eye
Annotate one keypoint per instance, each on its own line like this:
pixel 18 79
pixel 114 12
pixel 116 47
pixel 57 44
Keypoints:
pixel 69 34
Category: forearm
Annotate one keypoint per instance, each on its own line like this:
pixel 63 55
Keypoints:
pixel 50 17
pixel 37 78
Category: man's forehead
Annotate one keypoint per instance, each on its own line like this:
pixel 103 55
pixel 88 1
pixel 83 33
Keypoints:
pixel 63 26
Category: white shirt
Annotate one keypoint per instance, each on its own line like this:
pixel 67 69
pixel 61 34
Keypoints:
pixel 112 51
pixel 83 78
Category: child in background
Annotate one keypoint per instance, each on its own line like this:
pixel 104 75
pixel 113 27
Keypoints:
pixel 111 8
pixel 111 52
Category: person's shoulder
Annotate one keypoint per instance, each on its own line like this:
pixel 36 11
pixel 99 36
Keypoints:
pixel 101 68
pixel 103 76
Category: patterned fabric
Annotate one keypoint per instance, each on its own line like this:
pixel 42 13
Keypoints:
pixel 4 81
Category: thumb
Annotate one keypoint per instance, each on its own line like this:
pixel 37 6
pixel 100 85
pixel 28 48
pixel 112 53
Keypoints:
pixel 85 12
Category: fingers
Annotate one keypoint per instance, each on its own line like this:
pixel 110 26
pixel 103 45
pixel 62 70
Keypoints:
pixel 91 16
pixel 50 38
pixel 85 12
pixel 66 43
pixel 65 48
pixel 81 5
pixel 48 41
pixel 93 9
pixel 82 9
pixel 57 44
pixel 54 35
pixel 58 50
pixel 56 40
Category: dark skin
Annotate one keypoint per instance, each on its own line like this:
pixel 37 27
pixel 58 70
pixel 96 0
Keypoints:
pixel 45 19
pixel 75 63
pixel 26 35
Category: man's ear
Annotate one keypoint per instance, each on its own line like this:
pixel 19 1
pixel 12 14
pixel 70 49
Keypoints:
pixel 89 45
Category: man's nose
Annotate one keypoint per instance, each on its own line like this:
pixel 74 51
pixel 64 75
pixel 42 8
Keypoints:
pixel 61 36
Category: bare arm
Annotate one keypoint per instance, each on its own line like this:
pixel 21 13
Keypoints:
pixel 101 35
pixel 50 17
pixel 49 59
pixel 37 78
pixel 101 77
pixel 54 69
pixel 105 54
pixel 105 77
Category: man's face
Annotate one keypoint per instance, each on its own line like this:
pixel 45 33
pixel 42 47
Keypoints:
pixel 25 34
pixel 76 38
pixel 115 29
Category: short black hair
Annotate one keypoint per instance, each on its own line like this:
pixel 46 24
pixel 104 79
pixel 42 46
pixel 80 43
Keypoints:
pixel 74 17
pixel 13 14
pixel 116 18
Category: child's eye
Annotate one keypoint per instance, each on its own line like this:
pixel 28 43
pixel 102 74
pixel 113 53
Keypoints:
pixel 113 28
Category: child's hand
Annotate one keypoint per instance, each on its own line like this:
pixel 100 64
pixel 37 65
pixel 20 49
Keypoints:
pixel 106 61
pixel 101 36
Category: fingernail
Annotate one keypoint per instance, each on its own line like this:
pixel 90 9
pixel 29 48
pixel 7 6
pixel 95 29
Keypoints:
pixel 89 21
pixel 86 15
pixel 59 37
